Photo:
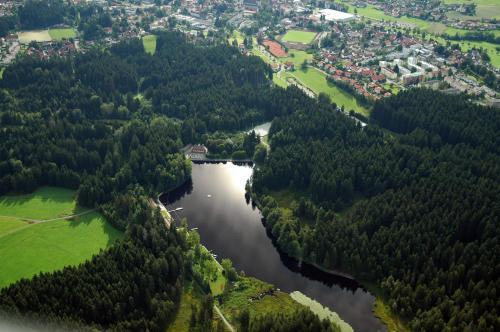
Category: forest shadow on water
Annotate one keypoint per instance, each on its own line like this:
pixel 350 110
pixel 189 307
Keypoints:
pixel 213 201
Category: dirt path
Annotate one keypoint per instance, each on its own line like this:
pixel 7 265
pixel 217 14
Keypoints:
pixel 31 222
pixel 229 326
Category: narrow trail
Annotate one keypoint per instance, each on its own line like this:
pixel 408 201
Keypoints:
pixel 31 222
pixel 229 326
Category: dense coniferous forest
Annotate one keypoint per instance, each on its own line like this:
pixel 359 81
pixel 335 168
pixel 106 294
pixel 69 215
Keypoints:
pixel 103 123
pixel 414 209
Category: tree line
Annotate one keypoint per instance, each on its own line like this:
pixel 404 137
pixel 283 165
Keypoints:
pixel 408 202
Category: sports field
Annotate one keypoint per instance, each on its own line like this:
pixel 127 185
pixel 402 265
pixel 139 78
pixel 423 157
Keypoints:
pixel 26 37
pixel 34 238
pixel 59 34
pixel 298 36
pixel 149 43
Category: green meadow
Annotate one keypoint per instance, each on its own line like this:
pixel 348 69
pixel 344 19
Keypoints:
pixel 316 81
pixel 149 43
pixel 484 8
pixel 60 34
pixel 298 36
pixel 29 245
pixel 44 203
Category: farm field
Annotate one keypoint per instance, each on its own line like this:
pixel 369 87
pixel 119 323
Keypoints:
pixel 59 34
pixel 149 43
pixel 26 37
pixel 1 72
pixel 29 247
pixel 297 36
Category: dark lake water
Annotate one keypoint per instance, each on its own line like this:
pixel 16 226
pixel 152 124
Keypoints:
pixel 214 201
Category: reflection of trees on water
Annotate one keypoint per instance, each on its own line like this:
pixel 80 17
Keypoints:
pixel 313 273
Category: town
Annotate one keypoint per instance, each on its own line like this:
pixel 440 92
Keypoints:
pixel 329 48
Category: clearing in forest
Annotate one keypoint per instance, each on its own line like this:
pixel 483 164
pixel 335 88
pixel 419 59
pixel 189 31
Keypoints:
pixel 35 237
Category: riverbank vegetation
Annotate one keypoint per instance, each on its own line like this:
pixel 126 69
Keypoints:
pixel 429 148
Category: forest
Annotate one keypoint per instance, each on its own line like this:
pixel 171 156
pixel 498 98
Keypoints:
pixel 409 203
pixel 110 124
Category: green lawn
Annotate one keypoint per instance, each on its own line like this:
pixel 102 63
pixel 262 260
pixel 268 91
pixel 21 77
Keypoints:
pixel 149 43
pixel 44 203
pixel 8 225
pixel 49 246
pixel 27 247
pixel 297 57
pixel 59 34
pixel 484 8
pixel 316 81
pixel 297 36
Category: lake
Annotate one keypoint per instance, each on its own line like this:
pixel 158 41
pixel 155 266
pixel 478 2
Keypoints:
pixel 214 202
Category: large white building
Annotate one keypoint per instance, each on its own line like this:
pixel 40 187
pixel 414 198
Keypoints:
pixel 333 15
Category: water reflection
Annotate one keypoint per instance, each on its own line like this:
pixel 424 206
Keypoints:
pixel 230 226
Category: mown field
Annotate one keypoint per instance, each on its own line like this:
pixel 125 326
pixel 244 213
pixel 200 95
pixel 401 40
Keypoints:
pixel 149 43
pixel 59 34
pixel 298 36
pixel 316 81
pixel 26 37
pixel 29 244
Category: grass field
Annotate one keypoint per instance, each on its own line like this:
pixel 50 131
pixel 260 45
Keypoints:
pixel 149 43
pixel 27 247
pixel 59 34
pixel 44 203
pixel 39 36
pixel 1 72
pixel 316 81
pixel 297 36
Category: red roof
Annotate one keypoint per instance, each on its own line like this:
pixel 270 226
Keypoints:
pixel 275 48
